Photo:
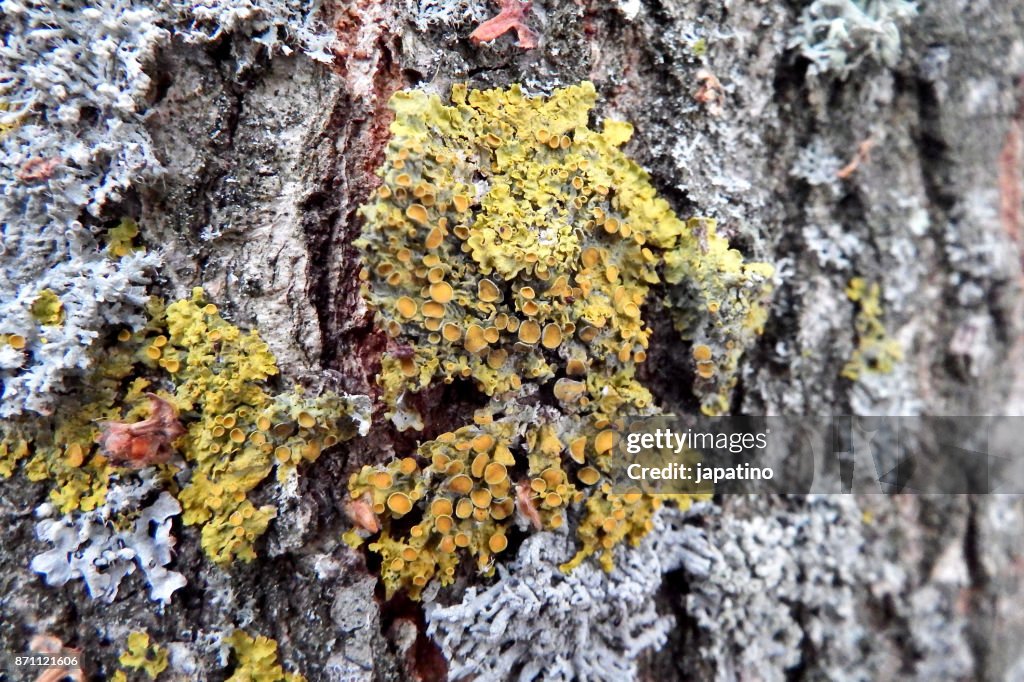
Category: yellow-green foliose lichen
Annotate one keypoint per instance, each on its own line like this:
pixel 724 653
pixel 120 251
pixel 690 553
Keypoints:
pixel 718 303
pixel 142 657
pixel 62 448
pixel 47 309
pixel 512 246
pixel 875 352
pixel 121 238
pixel 256 660
pixel 238 429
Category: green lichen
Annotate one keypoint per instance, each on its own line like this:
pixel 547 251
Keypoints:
pixel 876 352
pixel 257 660
pixel 238 428
pixel 513 247
pixel 143 657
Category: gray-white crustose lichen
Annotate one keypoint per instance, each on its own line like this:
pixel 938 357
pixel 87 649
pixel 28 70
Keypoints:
pixel 539 623
pixel 74 91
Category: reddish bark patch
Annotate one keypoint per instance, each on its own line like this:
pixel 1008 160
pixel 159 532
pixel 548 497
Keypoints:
pixel 36 169
pixel 405 624
pixel 1011 176
pixel 1011 172
pixel 357 134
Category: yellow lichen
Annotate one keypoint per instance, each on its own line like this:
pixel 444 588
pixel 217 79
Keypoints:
pixel 256 660
pixel 223 381
pixel 47 309
pixel 63 449
pixel 876 351
pixel 533 261
pixel 6 124
pixel 718 302
pixel 120 239
pixel 612 518
pixel 11 451
pixel 141 656
pixel 238 429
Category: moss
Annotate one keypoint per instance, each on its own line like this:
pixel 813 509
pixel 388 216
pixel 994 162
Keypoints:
pixel 257 660
pixel 876 352
pixel 143 657
pixel 512 246
pixel 238 428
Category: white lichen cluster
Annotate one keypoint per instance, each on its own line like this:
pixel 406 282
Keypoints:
pixel 538 623
pixel 98 549
pixel 74 92
pixel 73 87
pixel 838 35
pixel 432 14
pixel 783 585
pixel 816 165
pixel 279 25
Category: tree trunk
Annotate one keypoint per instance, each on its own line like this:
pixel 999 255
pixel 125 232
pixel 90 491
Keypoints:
pixel 895 155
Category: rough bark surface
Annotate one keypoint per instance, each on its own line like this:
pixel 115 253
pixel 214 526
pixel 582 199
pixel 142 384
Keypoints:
pixel 268 159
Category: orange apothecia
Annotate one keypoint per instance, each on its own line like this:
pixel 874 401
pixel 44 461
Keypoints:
pixel 516 250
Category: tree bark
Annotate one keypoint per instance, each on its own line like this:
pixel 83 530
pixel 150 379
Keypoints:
pixel 268 157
